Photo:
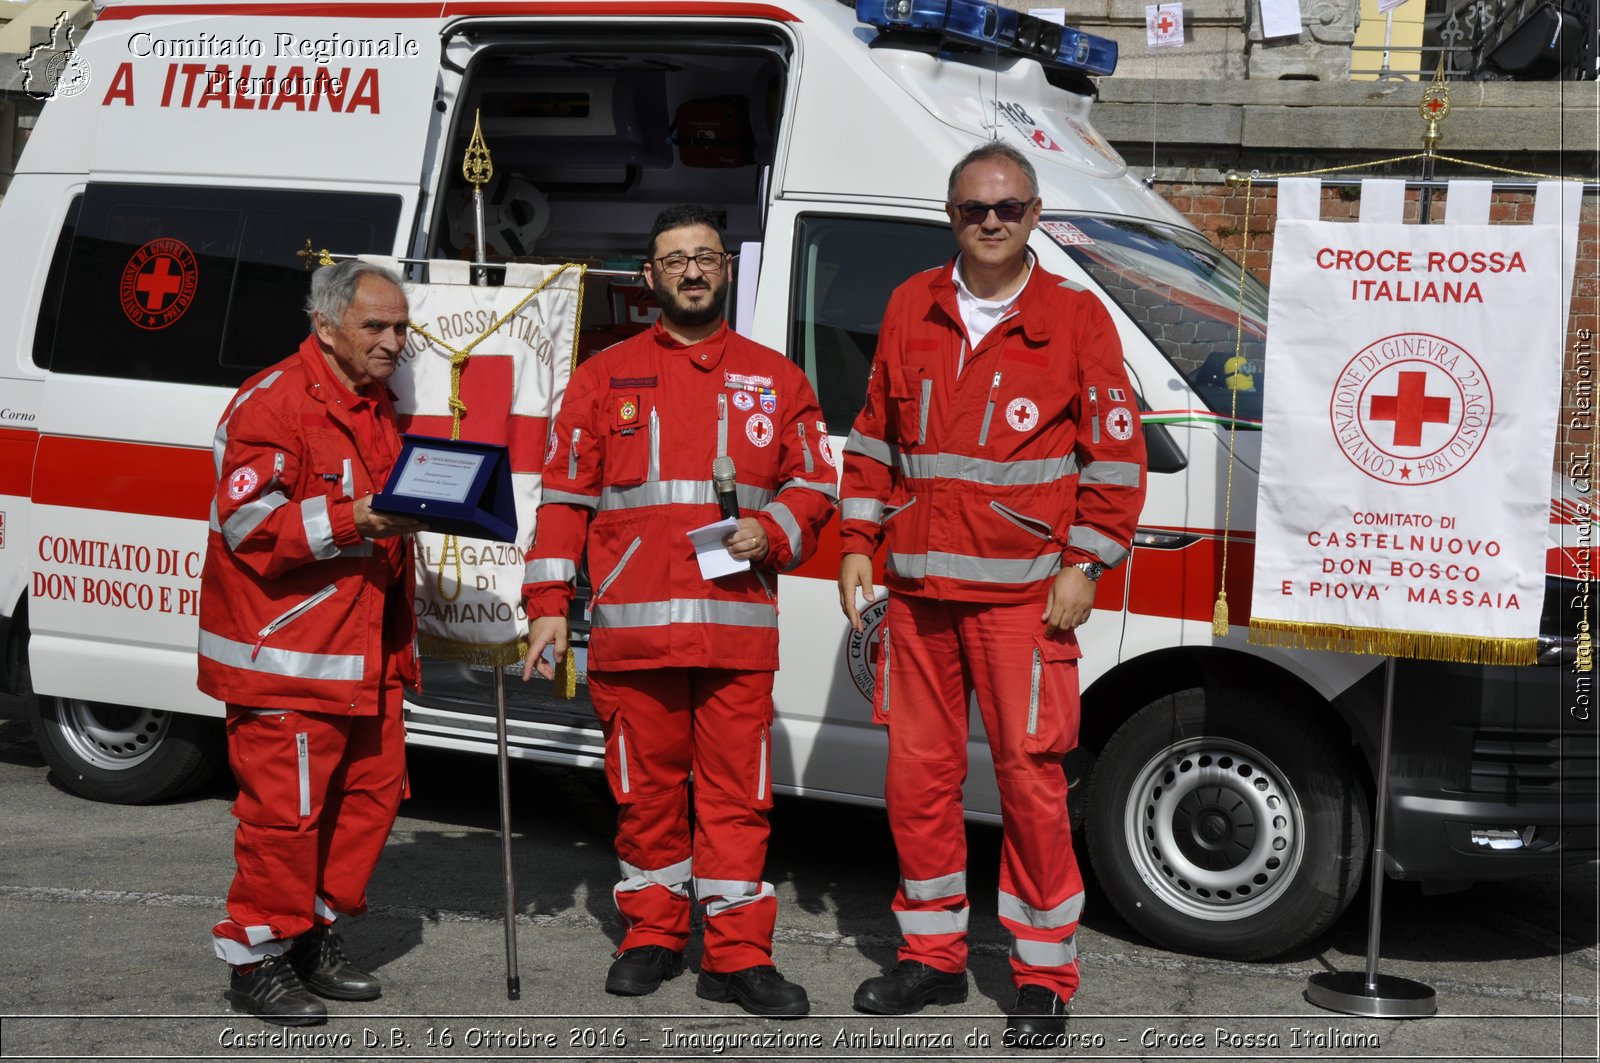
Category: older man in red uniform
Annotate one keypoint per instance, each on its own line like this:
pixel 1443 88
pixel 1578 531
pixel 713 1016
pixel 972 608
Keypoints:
pixel 999 458
pixel 680 666
pixel 306 631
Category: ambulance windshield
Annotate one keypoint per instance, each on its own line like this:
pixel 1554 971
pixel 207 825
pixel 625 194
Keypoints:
pixel 1184 294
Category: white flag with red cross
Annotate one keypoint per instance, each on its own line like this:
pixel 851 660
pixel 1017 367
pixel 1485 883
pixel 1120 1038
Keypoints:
pixel 1164 25
pixel 1408 433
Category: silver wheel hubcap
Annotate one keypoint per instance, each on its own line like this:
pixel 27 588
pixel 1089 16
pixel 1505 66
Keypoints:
pixel 111 737
pixel 1214 829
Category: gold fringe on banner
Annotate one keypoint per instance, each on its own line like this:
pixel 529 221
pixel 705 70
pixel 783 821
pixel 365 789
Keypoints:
pixel 1391 642
pixel 471 652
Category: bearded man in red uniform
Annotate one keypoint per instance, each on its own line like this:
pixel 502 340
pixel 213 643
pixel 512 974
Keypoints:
pixel 680 666
pixel 999 459
pixel 306 632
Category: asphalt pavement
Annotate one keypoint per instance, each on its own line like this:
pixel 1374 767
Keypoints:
pixel 105 913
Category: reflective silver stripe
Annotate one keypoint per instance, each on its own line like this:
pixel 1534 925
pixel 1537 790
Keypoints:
pixel 679 493
pixel 1108 550
pixel 674 877
pixel 722 424
pixel 324 909
pixel 1044 953
pixel 927 405
pixel 685 611
pixel 622 759
pixel 984 471
pixel 761 773
pixel 345 667
pixel 783 518
pixel 655 445
pixel 935 889
pixel 811 466
pixel 248 517
pixel 550 570
pixel 723 895
pixel 1064 914
pixel 1033 707
pixel 349 481
pixel 362 549
pixel 975 569
pixel 318 528
pixel 932 922
pixel 988 411
pixel 884 704
pixel 240 954
pixel 1117 473
pixel 302 756
pixel 572 455
pixel 876 449
pixel 219 442
pixel 627 555
pixel 571 499
pixel 1094 416
pixel 278 462
pixel 294 612
pixel 867 509
pixel 822 487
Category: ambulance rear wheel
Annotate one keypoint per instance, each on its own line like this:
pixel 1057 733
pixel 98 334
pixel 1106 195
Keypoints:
pixel 126 755
pixel 1227 822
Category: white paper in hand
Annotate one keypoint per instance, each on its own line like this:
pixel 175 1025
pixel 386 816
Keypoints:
pixel 712 552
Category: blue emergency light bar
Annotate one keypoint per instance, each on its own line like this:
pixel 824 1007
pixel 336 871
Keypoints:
pixel 989 25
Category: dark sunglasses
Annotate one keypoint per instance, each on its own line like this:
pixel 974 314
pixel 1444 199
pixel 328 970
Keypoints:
pixel 1008 210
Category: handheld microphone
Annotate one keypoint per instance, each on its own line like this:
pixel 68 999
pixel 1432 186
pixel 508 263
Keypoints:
pixel 722 480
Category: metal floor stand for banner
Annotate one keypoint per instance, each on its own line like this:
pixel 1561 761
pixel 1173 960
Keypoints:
pixel 503 762
pixel 1374 995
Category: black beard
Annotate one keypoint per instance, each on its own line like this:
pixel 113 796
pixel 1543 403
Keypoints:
pixel 677 313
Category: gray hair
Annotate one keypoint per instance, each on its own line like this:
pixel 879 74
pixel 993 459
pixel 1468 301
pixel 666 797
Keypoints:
pixel 994 149
pixel 333 288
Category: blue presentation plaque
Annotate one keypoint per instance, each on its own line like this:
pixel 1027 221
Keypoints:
pixel 455 486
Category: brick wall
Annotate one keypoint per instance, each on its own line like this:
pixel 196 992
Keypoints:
pixel 1219 212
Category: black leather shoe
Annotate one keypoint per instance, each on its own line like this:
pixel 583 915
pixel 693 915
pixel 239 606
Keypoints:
pixel 909 988
pixel 1037 1020
pixel 273 992
pixel 639 971
pixel 758 990
pixel 319 960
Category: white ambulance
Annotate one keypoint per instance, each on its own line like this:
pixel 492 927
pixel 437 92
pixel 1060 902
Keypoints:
pixel 155 252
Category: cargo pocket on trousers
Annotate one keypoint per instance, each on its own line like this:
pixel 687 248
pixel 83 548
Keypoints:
pixel 1052 725
pixel 271 760
pixel 880 680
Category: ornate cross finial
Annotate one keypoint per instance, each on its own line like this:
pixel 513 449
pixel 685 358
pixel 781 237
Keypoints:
pixel 1435 107
pixel 475 164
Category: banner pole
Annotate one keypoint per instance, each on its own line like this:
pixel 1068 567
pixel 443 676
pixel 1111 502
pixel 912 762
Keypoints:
pixel 1374 995
pixel 503 760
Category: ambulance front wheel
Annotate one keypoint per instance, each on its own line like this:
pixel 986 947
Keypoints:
pixel 1228 823
pixel 126 755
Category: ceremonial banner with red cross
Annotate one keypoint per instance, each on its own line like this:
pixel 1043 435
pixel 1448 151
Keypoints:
pixel 489 365
pixel 1408 435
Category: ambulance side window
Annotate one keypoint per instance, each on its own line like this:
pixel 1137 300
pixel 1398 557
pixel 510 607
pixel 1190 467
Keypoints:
pixel 194 285
pixel 846 268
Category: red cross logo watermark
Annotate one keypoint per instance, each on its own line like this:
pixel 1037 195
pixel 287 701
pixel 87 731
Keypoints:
pixel 158 283
pixel 758 429
pixel 242 482
pixel 1412 408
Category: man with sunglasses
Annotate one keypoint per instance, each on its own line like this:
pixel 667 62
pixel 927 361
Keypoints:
pixel 999 459
pixel 681 666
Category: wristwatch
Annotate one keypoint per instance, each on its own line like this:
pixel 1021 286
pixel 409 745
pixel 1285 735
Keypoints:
pixel 1092 569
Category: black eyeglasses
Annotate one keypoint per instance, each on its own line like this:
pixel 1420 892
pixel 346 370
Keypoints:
pixel 708 261
pixel 1008 210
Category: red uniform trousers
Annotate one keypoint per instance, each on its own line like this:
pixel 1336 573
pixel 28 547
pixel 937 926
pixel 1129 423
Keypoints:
pixel 661 724
pixel 318 794
pixel 937 655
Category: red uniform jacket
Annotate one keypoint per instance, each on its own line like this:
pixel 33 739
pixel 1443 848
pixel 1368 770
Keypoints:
pixel 291 596
pixel 985 483
pixel 629 474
